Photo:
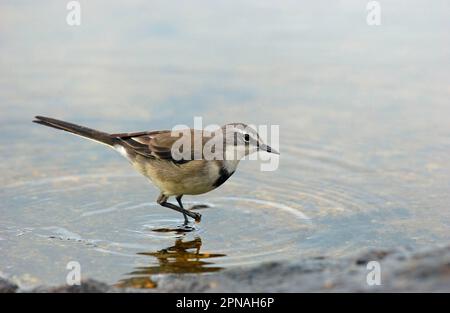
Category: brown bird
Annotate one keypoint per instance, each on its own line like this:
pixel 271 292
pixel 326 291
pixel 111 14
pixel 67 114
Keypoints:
pixel 177 172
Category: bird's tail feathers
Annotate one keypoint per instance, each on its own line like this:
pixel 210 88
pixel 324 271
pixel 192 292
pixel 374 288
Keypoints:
pixel 82 131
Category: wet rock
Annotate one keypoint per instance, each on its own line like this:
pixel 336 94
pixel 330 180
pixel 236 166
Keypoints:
pixel 372 255
pixel 7 286
pixel 402 270
pixel 86 286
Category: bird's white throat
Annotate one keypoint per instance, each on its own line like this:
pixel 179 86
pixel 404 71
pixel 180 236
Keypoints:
pixel 233 155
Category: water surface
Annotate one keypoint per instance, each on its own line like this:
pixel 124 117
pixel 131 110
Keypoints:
pixel 363 114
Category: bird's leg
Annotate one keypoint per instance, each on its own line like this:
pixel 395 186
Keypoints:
pixel 162 200
pixel 181 206
pixel 194 207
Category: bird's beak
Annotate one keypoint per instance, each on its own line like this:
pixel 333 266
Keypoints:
pixel 267 148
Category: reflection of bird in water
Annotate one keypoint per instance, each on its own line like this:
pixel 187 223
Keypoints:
pixel 183 257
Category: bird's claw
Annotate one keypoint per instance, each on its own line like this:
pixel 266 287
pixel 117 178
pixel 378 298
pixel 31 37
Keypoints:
pixel 197 217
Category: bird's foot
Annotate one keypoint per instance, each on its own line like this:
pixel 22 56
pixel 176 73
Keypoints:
pixel 185 228
pixel 181 229
pixel 197 217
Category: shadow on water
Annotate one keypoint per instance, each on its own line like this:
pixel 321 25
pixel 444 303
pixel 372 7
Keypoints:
pixel 184 257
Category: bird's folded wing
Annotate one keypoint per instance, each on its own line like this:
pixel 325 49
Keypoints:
pixel 159 144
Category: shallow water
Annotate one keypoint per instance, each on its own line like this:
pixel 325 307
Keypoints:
pixel 363 115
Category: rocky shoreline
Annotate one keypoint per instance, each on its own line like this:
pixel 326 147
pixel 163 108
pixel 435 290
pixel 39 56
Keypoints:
pixel 401 270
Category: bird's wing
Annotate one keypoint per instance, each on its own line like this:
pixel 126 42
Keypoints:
pixel 158 144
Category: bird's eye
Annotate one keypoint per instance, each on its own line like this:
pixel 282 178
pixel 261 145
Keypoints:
pixel 247 137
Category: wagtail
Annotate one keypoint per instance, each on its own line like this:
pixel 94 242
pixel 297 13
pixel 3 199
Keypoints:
pixel 186 171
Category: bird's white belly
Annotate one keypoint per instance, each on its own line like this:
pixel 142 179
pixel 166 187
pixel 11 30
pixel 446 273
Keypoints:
pixel 191 178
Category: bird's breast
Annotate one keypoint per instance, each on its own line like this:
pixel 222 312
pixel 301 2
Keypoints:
pixel 190 178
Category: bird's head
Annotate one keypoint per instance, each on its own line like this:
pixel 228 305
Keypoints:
pixel 241 140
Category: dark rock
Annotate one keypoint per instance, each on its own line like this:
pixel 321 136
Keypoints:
pixel 402 270
pixel 87 286
pixel 372 255
pixel 7 286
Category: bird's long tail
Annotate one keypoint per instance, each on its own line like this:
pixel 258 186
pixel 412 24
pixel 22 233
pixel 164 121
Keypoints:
pixel 82 131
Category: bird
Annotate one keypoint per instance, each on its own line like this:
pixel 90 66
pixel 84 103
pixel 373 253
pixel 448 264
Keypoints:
pixel 190 170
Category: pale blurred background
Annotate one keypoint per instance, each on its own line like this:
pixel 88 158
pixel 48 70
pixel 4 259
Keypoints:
pixel 364 119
